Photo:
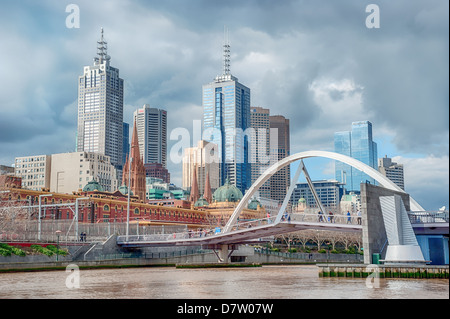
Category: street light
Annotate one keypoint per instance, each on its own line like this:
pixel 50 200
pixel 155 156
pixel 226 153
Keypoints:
pixel 129 191
pixel 39 217
pixel 76 214
pixel 57 243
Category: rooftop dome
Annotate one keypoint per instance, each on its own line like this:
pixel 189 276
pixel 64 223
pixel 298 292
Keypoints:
pixel 227 193
pixel 302 200
pixel 254 203
pixel 124 190
pixel 93 186
pixel 201 202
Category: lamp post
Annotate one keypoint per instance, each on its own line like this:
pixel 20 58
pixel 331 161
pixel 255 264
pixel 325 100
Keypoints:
pixel 128 202
pixel 57 243
pixel 39 217
pixel 76 215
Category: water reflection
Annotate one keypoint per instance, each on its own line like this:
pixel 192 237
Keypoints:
pixel 283 282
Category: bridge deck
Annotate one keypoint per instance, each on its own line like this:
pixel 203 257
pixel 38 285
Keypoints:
pixel 239 236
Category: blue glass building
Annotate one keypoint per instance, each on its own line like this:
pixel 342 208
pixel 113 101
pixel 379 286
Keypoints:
pixel 359 145
pixel 226 116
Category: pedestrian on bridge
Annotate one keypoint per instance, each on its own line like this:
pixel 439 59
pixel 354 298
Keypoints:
pixel 320 216
pixel 349 218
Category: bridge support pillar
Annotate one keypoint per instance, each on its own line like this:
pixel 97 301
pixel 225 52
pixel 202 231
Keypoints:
pixel 223 254
pixel 222 251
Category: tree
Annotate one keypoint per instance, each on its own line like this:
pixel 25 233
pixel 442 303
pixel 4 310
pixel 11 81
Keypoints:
pixel 318 238
pixel 13 217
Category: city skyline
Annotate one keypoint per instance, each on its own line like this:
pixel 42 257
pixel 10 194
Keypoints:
pixel 321 67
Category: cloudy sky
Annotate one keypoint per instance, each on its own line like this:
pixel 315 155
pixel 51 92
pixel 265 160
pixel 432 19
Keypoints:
pixel 315 62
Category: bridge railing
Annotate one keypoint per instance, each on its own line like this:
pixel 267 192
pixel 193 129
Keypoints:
pixel 320 218
pixel 191 234
pixel 427 217
pixel 240 225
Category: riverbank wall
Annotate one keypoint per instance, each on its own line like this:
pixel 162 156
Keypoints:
pixel 383 271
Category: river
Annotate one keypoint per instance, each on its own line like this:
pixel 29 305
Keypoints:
pixel 267 282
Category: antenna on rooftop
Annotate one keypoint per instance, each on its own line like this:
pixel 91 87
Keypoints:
pixel 226 52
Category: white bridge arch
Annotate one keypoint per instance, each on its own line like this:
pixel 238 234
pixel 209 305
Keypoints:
pixel 383 180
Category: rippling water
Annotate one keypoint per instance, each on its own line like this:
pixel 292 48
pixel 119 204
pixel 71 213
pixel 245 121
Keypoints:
pixel 281 282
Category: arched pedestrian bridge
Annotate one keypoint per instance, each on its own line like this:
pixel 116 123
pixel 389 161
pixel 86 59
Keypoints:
pixel 235 232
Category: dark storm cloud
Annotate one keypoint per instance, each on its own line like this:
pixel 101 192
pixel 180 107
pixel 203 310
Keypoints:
pixel 313 61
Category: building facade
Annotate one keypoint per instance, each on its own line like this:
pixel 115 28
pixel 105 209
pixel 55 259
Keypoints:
pixel 70 172
pixel 100 108
pixel 392 170
pixel 204 160
pixel 280 181
pixel 358 144
pixel 34 171
pixel 260 146
pixel 126 142
pixel 152 134
pixel 328 191
pixel 156 170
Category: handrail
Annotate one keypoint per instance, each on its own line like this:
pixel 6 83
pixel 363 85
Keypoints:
pixel 426 217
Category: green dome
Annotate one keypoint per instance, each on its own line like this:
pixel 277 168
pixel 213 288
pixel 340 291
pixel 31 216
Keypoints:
pixel 93 186
pixel 201 202
pixel 254 203
pixel 302 200
pixel 124 190
pixel 227 193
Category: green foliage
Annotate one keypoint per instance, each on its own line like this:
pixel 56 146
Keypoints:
pixel 322 251
pixel 42 250
pixel 292 250
pixel 56 250
pixel 50 250
pixel 7 250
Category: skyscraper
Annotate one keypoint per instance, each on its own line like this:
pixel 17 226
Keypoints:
pixel 152 134
pixel 100 107
pixel 226 116
pixel 392 170
pixel 260 146
pixel 203 161
pixel 280 181
pixel 359 145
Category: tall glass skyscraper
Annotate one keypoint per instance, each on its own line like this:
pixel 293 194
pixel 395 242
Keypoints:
pixel 226 116
pixel 359 145
pixel 100 108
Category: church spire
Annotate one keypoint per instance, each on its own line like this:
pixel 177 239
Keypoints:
pixel 207 193
pixel 194 187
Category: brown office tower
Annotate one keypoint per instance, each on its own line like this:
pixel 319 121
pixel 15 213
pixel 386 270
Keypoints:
pixel 279 182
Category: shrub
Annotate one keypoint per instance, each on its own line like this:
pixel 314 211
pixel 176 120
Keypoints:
pixel 56 250
pixel 42 250
pixel 292 250
pixel 7 250
pixel 322 251
pixel 18 251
